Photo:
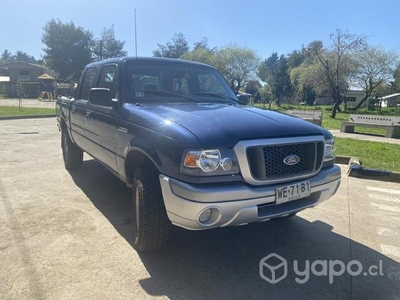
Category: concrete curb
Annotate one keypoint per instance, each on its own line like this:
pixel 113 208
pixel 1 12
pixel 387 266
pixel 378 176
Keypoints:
pixel 346 160
pixel 27 117
pixel 342 160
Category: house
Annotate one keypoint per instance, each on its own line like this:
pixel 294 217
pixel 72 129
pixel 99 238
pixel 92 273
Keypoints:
pixel 25 73
pixel 352 98
pixel 391 100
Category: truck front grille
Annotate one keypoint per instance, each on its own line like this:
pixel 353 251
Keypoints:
pixel 266 162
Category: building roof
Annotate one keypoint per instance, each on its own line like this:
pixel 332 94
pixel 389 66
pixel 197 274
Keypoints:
pixel 20 64
pixel 389 96
pixel 45 77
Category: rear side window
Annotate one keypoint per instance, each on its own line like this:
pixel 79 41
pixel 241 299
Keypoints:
pixel 88 83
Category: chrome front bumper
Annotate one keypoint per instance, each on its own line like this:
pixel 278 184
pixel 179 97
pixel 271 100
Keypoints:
pixel 239 204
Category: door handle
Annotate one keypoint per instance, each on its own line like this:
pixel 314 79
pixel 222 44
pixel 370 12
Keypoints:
pixel 88 115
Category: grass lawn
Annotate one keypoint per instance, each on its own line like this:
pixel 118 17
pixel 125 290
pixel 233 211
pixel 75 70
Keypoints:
pixel 15 111
pixel 371 154
pixel 330 123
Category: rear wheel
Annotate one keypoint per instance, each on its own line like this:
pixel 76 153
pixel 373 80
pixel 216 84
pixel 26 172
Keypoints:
pixel 72 155
pixel 151 226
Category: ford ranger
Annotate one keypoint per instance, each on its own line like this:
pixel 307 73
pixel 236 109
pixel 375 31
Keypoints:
pixel 194 155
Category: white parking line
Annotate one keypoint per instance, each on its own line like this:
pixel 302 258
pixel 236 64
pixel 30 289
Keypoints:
pixel 390 250
pixel 384 198
pixel 386 207
pixel 389 191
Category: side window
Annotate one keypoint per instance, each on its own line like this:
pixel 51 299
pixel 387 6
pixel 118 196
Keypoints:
pixel 88 83
pixel 109 79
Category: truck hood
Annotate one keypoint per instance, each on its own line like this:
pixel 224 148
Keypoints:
pixel 222 125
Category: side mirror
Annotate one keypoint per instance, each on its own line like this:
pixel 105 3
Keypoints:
pixel 243 99
pixel 101 97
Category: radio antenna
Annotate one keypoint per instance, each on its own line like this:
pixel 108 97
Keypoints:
pixel 135 34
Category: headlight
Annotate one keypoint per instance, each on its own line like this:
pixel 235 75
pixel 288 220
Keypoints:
pixel 207 160
pixel 329 150
pixel 210 162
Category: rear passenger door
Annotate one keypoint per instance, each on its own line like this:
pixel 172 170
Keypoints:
pixel 79 107
pixel 102 122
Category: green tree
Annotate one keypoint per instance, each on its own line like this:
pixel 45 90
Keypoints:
pixel 108 46
pixel 201 53
pixel 296 58
pixel 268 67
pixel 68 48
pixel 203 44
pixel 383 90
pixel 6 55
pixel 306 72
pixel 20 92
pixel 396 76
pixel 174 49
pixel 252 87
pixel 375 67
pixel 338 64
pixel 22 56
pixel 237 64
pixel 265 95
pixel 275 71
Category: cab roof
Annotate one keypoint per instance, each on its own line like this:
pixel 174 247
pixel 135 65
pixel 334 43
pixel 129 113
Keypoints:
pixel 120 60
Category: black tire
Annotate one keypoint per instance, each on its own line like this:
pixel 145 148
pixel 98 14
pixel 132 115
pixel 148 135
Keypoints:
pixel 151 226
pixel 72 155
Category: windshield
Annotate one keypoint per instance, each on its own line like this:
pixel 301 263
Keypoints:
pixel 150 82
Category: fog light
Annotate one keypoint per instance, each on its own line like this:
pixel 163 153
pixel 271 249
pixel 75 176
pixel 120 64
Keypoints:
pixel 209 216
pixel 205 216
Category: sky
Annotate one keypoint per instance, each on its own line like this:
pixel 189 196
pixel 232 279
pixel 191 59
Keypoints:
pixel 264 26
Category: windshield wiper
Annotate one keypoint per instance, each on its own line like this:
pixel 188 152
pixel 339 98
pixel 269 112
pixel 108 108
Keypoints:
pixel 168 94
pixel 215 95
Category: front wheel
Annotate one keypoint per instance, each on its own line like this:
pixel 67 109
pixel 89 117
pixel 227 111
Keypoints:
pixel 72 155
pixel 151 226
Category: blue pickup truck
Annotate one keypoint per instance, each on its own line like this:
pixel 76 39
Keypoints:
pixel 193 154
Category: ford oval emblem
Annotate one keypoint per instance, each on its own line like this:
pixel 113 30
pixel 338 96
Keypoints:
pixel 291 160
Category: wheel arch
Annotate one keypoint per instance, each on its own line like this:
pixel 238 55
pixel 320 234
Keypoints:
pixel 134 158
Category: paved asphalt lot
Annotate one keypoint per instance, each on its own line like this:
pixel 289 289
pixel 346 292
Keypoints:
pixel 68 236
